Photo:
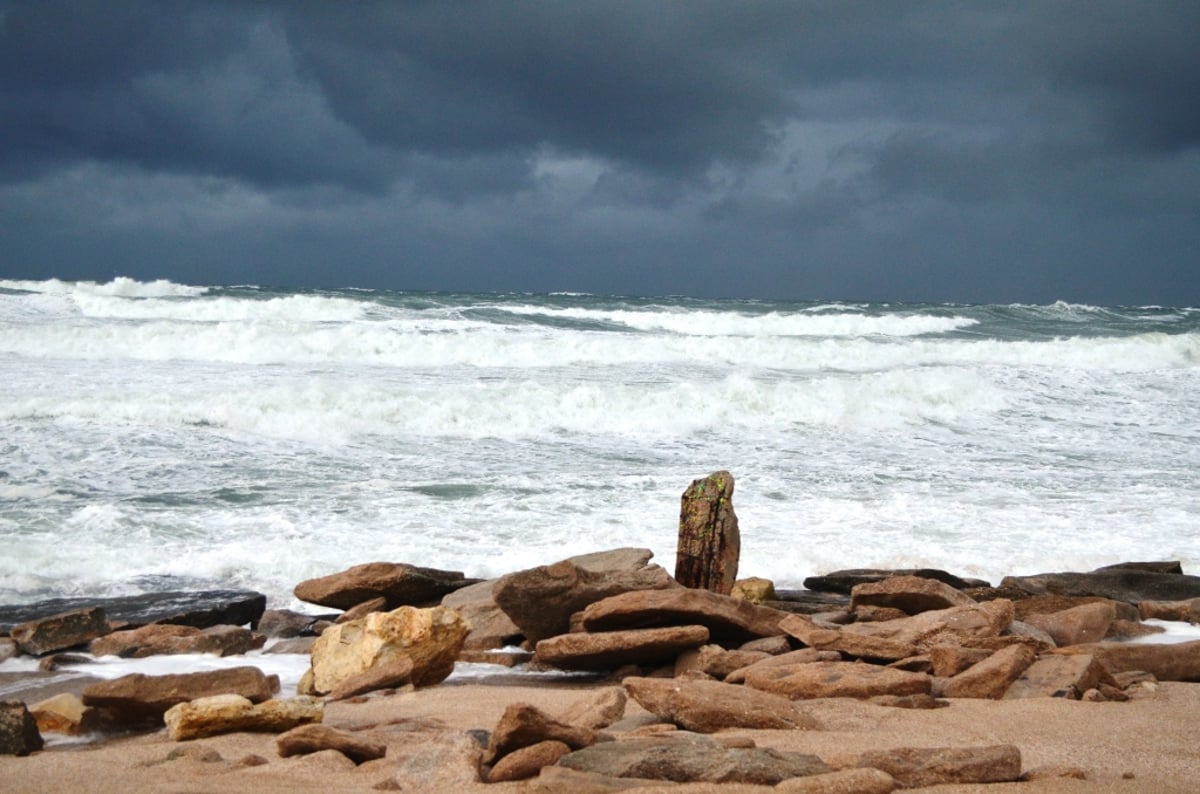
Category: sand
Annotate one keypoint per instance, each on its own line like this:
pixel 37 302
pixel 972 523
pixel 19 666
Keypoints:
pixel 1145 745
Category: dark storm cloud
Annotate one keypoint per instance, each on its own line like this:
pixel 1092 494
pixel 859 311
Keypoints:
pixel 981 151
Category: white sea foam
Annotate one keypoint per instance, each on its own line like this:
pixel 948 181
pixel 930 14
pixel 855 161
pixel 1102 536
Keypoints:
pixel 120 286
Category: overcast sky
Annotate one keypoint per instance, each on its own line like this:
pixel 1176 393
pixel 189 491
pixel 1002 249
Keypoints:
pixel 962 151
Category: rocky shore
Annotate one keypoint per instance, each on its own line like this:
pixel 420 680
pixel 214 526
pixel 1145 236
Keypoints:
pixel 622 676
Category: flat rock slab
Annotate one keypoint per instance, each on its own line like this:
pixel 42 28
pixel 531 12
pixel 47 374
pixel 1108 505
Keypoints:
pixel 909 594
pixel 200 608
pixel 727 619
pixel 1168 662
pixel 711 706
pixel 308 739
pixel 845 581
pixel 60 631
pixel 917 767
pixel 1129 585
pixel 167 638
pixel 611 649
pixel 399 584
pixel 218 714
pixel 687 758
pixel 837 679
pixel 139 697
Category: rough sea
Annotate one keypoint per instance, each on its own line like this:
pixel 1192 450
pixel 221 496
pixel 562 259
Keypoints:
pixel 159 436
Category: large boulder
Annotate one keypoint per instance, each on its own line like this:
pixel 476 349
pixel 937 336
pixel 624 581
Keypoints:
pixel 1084 623
pixel 727 619
pixel 398 583
pixel 432 638
pixel 607 650
pixel 18 729
pixel 709 544
pixel 489 626
pixel 909 594
pixel 200 609
pixel 59 631
pixel 689 757
pixel 541 600
pixel 164 639
pixel 218 714
pixel 1123 584
pixel 836 679
pixel 711 706
pixel 138 698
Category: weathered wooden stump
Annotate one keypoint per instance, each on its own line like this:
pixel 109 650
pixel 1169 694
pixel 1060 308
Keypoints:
pixel 706 555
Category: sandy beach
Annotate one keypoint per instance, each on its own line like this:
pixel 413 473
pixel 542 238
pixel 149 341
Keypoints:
pixel 1143 745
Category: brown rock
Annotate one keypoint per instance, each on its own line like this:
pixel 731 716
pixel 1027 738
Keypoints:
pixel 802 656
pixel 845 581
pixel 164 639
pixel 1168 662
pixel 950 660
pixel 711 706
pixel 286 623
pixel 685 757
pixel 991 677
pixel 218 714
pixel 57 632
pixel 378 604
pixel 398 583
pixel 18 729
pixel 1060 677
pixel 559 780
pixel 541 600
pixel 431 638
pixel 909 701
pixel 597 711
pixel 523 725
pixel 1084 623
pixel 384 675
pixel 611 649
pixel 910 594
pixel 709 545
pixel 527 761
pixel 8 648
pixel 773 646
pixel 1049 603
pixel 727 619
pixel 860 644
pixel 845 781
pixel 138 697
pixel 864 613
pixel 917 767
pixel 315 738
pixel 836 679
pixel 971 625
pixel 1131 629
pixel 488 625
pixel 1187 610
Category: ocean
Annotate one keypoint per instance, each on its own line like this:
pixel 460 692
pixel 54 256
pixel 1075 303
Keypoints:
pixel 158 436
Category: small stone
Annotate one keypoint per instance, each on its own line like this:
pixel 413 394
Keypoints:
pixel 845 781
pixel 309 739
pixel 527 761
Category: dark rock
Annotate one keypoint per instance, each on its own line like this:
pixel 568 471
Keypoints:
pixel 845 581
pixel 18 730
pixel 1163 566
pixel 540 601
pixel 398 583
pixel 711 706
pixel 200 609
pixel 286 624
pixel 727 619
pixel 59 660
pixel 60 631
pixel 1129 585
pixel 709 544
pixel 143 698
pixel 808 602
pixel 685 757
pixel 307 739
pixel 608 650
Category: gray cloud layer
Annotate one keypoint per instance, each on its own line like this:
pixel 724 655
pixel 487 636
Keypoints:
pixel 876 150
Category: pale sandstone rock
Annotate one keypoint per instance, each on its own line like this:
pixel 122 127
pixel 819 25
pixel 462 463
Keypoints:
pixel 218 714
pixel 63 713
pixel 837 679
pixel 431 638
pixel 754 589
pixel 612 649
pixel 711 706
pixel 991 677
